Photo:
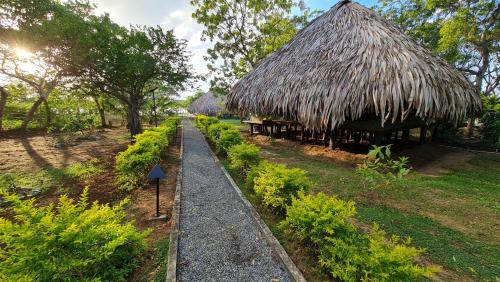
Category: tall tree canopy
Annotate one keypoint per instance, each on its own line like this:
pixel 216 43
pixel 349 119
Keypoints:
pixel 244 32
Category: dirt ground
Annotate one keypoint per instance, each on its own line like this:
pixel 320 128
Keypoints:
pixel 34 152
pixel 28 153
pixel 428 159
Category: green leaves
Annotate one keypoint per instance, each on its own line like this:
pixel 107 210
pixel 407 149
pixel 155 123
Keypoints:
pixel 244 33
pixel 68 241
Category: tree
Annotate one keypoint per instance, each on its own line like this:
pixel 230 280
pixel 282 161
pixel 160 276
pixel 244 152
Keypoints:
pixel 4 94
pixel 465 33
pixel 129 64
pixel 40 44
pixel 244 33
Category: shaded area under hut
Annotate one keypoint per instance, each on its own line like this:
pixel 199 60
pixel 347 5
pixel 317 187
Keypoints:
pixel 350 75
pixel 208 104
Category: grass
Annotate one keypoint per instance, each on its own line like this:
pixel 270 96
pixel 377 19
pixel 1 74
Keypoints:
pixel 455 216
pixel 161 259
pixel 50 177
pixel 236 122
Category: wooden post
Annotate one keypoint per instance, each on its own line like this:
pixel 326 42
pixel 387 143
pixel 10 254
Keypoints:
pixel 435 132
pixel 251 129
pixel 302 135
pixel 406 135
pixel 331 142
pixel 423 133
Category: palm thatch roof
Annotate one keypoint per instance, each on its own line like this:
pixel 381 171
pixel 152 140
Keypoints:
pixel 349 63
pixel 207 104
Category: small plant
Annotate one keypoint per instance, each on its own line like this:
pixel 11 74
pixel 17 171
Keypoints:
pixel 203 122
pixel 381 169
pixel 227 139
pixel 215 129
pixel 84 170
pixel 243 157
pixel 277 185
pixel 68 241
pixel 346 252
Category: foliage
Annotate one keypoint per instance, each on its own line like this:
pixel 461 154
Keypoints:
pixel 215 129
pixel 68 241
pixel 161 259
pixel 243 157
pixel 227 139
pixel 133 163
pixel 491 128
pixel 244 33
pixel 203 122
pixel 380 168
pixel 84 170
pixel 277 185
pixel 467 34
pixel 347 253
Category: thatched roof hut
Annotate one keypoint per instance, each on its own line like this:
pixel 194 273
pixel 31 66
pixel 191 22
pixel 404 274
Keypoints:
pixel 350 63
pixel 207 104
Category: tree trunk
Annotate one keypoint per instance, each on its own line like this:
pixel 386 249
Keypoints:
pixel 100 109
pixel 48 114
pixel 31 112
pixel 3 101
pixel 134 117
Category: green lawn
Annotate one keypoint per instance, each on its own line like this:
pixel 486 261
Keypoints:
pixel 455 216
pixel 236 122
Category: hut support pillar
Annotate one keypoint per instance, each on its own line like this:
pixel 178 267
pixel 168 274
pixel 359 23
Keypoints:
pixel 406 135
pixel 331 142
pixel 423 133
pixel 251 129
pixel 435 133
pixel 302 135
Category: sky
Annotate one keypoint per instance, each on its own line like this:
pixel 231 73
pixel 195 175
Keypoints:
pixel 176 15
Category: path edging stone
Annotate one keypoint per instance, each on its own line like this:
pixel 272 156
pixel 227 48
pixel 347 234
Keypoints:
pixel 292 269
pixel 175 223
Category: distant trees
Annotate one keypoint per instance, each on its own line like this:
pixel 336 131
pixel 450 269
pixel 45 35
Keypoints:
pixel 67 45
pixel 465 33
pixel 245 32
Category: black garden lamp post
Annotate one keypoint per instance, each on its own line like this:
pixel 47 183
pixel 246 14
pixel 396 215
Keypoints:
pixel 156 174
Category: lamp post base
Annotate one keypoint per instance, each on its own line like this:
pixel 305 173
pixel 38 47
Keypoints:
pixel 159 217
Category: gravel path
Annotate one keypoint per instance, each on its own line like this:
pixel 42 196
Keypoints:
pixel 219 240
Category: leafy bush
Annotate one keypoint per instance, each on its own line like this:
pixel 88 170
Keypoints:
pixel 313 218
pixel 203 122
pixel 277 184
pixel 215 129
pixel 491 129
pixel 347 253
pixel 380 168
pixel 227 139
pixel 71 241
pixel 133 163
pixel 243 157
pixel 84 170
pixel 256 171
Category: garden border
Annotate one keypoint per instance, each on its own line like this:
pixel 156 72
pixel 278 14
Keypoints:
pixel 292 269
pixel 175 223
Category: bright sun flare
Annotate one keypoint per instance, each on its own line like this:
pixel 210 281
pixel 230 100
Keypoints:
pixel 22 53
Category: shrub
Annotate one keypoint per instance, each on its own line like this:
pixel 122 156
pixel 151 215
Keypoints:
pixel 347 253
pixel 243 157
pixel 381 169
pixel 277 184
pixel 227 139
pixel 214 130
pixel 71 241
pixel 313 218
pixel 256 171
pixel 203 122
pixel 491 129
pixel 133 163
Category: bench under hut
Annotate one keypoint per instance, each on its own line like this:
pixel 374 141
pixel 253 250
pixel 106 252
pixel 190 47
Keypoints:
pixel 208 104
pixel 352 75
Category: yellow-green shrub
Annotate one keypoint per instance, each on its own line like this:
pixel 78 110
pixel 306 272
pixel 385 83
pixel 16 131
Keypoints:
pixel 346 252
pixel 133 163
pixel 243 157
pixel 227 139
pixel 67 242
pixel 203 122
pixel 215 129
pixel 277 184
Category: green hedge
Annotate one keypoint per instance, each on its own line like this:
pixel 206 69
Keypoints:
pixel 70 241
pixel 133 164
pixel 345 251
pixel 203 122
pixel 243 157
